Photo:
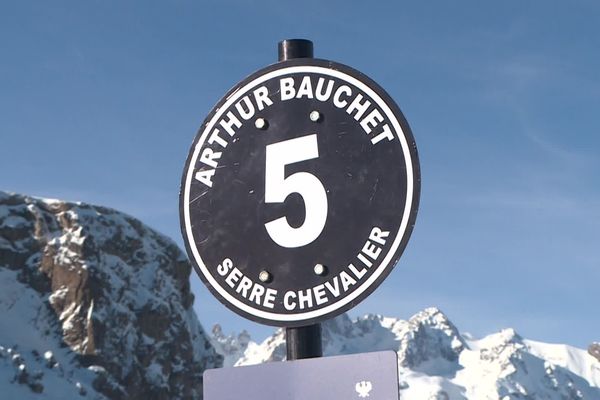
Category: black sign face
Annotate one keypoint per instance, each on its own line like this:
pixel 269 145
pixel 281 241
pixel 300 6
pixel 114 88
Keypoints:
pixel 300 192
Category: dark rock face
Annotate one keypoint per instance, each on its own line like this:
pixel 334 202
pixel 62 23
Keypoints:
pixel 116 294
pixel 430 335
pixel 594 350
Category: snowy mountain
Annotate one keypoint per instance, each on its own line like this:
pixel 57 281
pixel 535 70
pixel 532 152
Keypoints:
pixel 96 304
pixel 437 362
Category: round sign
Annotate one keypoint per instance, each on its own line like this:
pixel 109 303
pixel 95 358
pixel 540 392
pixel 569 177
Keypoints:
pixel 300 192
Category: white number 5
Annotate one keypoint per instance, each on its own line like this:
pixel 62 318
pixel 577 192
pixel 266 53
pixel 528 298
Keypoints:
pixel 278 188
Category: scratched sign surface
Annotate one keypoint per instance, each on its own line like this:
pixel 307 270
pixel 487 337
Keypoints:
pixel 370 376
pixel 300 192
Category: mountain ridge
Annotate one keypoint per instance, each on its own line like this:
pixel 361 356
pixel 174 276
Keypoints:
pixel 436 361
pixel 95 304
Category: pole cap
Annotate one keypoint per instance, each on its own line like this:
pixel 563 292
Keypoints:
pixel 295 48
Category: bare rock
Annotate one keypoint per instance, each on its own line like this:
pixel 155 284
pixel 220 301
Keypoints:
pixel 116 292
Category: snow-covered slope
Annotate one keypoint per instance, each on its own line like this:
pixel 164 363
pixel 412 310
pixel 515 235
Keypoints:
pixel 94 303
pixel 437 362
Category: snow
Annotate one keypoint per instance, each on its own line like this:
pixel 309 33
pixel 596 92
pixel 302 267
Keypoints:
pixel 571 358
pixel 155 374
pixel 108 289
pixel 30 353
pixel 437 362
pixel 49 357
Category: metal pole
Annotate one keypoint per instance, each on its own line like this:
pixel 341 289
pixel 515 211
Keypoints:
pixel 295 48
pixel 303 341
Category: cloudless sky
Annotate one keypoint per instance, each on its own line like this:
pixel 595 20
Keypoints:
pixel 100 101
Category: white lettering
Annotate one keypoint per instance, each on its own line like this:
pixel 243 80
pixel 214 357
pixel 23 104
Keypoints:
pixel 214 137
pixel 261 96
pixel 208 157
pixel 287 88
pixel 223 268
pixel 347 280
pixel 247 112
pixel 371 120
pixel 357 106
pixel 320 296
pixel 233 277
pixel 205 176
pixel 270 298
pixel 371 250
pixel 364 260
pixel 378 236
pixel 244 286
pixel 338 94
pixel 386 133
pixel 357 273
pixel 305 299
pixel 319 93
pixel 256 293
pixel 232 121
pixel 287 302
pixel 335 288
pixel 305 88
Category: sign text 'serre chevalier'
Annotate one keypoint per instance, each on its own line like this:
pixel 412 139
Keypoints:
pixel 300 192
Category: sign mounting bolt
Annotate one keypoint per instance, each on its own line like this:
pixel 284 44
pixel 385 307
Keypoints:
pixel 261 123
pixel 320 269
pixel 315 116
pixel 264 276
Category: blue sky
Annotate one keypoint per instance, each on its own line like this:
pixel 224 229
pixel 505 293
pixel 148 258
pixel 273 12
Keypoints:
pixel 100 100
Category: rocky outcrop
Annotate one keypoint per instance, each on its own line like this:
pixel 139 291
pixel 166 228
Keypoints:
pixel 103 296
pixel 231 347
pixel 594 350
pixel 427 336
